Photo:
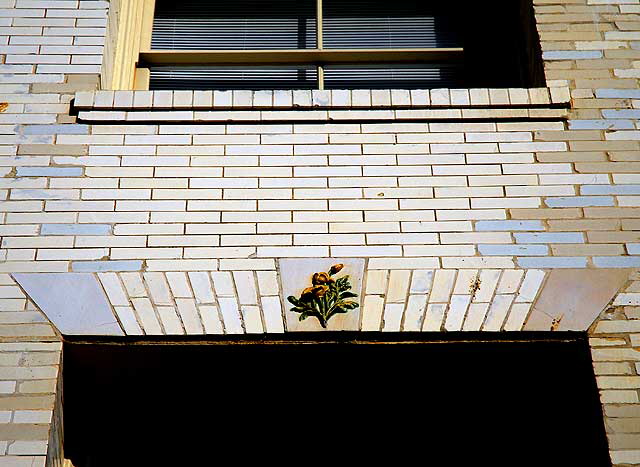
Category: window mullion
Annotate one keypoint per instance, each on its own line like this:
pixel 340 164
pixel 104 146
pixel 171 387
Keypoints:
pixel 320 41
pixel 321 77
pixel 319 33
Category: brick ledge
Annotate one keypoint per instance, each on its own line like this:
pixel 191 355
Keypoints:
pixel 363 99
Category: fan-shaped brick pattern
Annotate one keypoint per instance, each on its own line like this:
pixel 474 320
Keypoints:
pixel 220 302
pixel 226 302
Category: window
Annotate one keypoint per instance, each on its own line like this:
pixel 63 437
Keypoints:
pixel 328 44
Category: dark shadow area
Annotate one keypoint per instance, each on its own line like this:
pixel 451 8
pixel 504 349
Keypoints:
pixel 501 44
pixel 499 37
pixel 445 400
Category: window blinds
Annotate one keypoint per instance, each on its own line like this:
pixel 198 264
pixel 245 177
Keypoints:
pixel 291 24
pixel 234 24
pixel 397 24
pixel 396 76
pixel 234 77
pixel 392 76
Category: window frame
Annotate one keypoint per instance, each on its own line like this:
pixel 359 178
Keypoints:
pixel 134 56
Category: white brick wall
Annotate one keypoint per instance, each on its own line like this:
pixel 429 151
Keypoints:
pixel 175 198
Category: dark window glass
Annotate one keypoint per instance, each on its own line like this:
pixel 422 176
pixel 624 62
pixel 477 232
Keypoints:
pixel 234 77
pixel 234 25
pixel 398 24
pixel 401 76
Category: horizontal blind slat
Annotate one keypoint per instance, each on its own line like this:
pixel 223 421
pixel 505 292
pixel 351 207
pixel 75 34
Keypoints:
pixel 228 77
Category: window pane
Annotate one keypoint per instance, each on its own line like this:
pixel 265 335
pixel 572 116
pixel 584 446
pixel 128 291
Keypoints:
pixel 398 24
pixel 395 76
pixel 234 24
pixel 234 77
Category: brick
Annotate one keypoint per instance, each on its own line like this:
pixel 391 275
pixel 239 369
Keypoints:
pixel 508 225
pixel 372 313
pixel 571 55
pixel 622 425
pixel 497 313
pixel 414 313
pixel 553 262
pixel 626 456
pixel 613 368
pixel 513 250
pixel 616 262
pixel 619 397
pixel 434 316
pixel 102 266
pixel 613 354
pixel 580 201
pixel 210 319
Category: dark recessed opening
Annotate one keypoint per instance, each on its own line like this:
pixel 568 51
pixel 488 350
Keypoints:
pixel 438 400
pixel 498 42
pixel 502 45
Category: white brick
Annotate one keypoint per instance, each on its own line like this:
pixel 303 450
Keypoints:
pixel 128 320
pixel 530 286
pixel 497 313
pixel 179 285
pixel 134 285
pixel 421 282
pixel 463 282
pixel 376 282
pixel 434 317
pixel 447 226
pixel 147 316
pixel 457 311
pixel 510 281
pixel 189 314
pixel 223 284
pixel 372 313
pixel 113 288
pixel 158 288
pixel 252 319
pixel 392 317
pixel 230 315
pixel 477 262
pixel 170 320
pixel 475 316
pixel 517 316
pixel 245 285
pixel 202 287
pixel 398 286
pixel 268 282
pixel 272 311
pixel 536 168
pixel 210 319
pixel 414 313
pixel 575 179
pixel 439 250
pixel 442 286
